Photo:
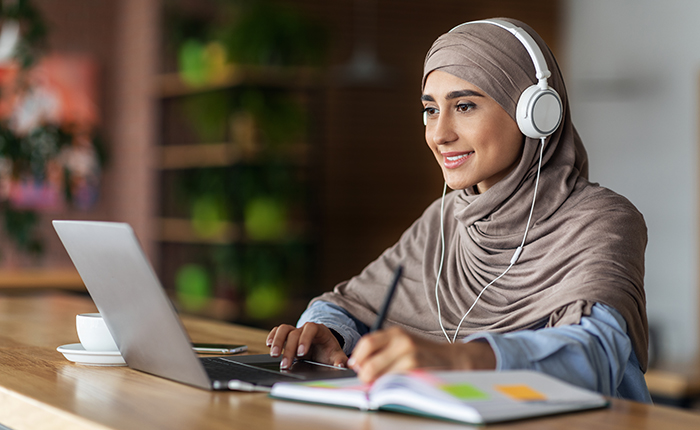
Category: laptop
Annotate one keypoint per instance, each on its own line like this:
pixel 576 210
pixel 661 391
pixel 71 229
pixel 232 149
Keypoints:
pixel 145 324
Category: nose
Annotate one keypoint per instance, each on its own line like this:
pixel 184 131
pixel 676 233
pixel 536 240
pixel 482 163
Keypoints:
pixel 441 131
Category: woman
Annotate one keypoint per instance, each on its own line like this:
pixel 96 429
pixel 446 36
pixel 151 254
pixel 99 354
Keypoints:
pixel 494 278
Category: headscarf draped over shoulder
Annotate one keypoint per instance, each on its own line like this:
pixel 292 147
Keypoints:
pixel 585 245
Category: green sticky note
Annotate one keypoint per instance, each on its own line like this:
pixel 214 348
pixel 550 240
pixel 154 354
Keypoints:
pixel 464 391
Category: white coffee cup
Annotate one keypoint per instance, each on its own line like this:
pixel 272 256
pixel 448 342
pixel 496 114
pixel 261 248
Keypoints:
pixel 93 333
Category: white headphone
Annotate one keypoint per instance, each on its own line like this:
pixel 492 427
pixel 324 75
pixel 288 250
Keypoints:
pixel 539 110
pixel 538 114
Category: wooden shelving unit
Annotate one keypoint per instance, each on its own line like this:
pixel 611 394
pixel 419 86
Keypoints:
pixel 60 279
pixel 223 154
pixel 242 148
pixel 677 384
pixel 172 85
pixel 180 230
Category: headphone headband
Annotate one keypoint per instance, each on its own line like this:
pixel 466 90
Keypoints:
pixel 541 70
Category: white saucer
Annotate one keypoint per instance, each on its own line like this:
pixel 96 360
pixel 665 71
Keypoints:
pixel 76 353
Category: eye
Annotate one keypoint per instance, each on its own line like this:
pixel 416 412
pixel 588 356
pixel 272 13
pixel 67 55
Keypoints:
pixel 465 107
pixel 429 112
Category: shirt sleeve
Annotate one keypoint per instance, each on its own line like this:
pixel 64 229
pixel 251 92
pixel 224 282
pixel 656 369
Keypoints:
pixel 596 354
pixel 337 319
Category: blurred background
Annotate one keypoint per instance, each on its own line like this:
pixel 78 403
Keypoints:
pixel 266 150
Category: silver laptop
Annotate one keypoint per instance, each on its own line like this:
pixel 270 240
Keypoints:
pixel 145 324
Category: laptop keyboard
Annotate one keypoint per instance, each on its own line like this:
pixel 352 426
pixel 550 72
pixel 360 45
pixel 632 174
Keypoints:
pixel 220 369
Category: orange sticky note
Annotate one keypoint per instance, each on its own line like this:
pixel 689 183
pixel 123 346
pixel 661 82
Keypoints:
pixel 521 392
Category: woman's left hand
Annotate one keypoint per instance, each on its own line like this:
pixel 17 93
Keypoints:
pixel 394 350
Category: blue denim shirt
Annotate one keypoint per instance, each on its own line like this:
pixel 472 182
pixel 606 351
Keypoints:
pixel 596 354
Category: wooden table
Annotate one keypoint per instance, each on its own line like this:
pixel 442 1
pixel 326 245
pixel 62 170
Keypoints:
pixel 39 388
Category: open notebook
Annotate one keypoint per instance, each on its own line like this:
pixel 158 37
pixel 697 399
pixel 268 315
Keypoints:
pixel 477 397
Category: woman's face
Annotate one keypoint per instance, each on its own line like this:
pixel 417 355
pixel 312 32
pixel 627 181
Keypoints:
pixel 474 140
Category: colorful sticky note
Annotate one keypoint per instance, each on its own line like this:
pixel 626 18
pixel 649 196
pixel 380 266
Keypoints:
pixel 331 386
pixel 521 392
pixel 464 391
pixel 321 384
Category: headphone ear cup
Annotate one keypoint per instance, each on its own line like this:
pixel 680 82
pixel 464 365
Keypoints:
pixel 539 112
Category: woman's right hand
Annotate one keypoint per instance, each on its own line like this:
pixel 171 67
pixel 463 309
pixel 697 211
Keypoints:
pixel 312 341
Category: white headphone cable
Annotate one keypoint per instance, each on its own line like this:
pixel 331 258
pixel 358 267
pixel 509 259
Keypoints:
pixel 442 259
pixel 513 259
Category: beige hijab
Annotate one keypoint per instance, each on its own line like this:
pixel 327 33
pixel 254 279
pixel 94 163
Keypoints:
pixel 585 245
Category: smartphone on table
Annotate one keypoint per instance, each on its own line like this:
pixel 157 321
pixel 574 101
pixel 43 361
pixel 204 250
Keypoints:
pixel 218 348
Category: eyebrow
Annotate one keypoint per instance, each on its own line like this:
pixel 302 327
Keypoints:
pixel 453 95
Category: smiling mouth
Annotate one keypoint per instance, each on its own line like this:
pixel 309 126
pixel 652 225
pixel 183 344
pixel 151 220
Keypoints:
pixel 453 161
pixel 459 157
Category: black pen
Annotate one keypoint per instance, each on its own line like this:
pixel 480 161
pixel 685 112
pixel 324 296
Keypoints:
pixel 387 300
